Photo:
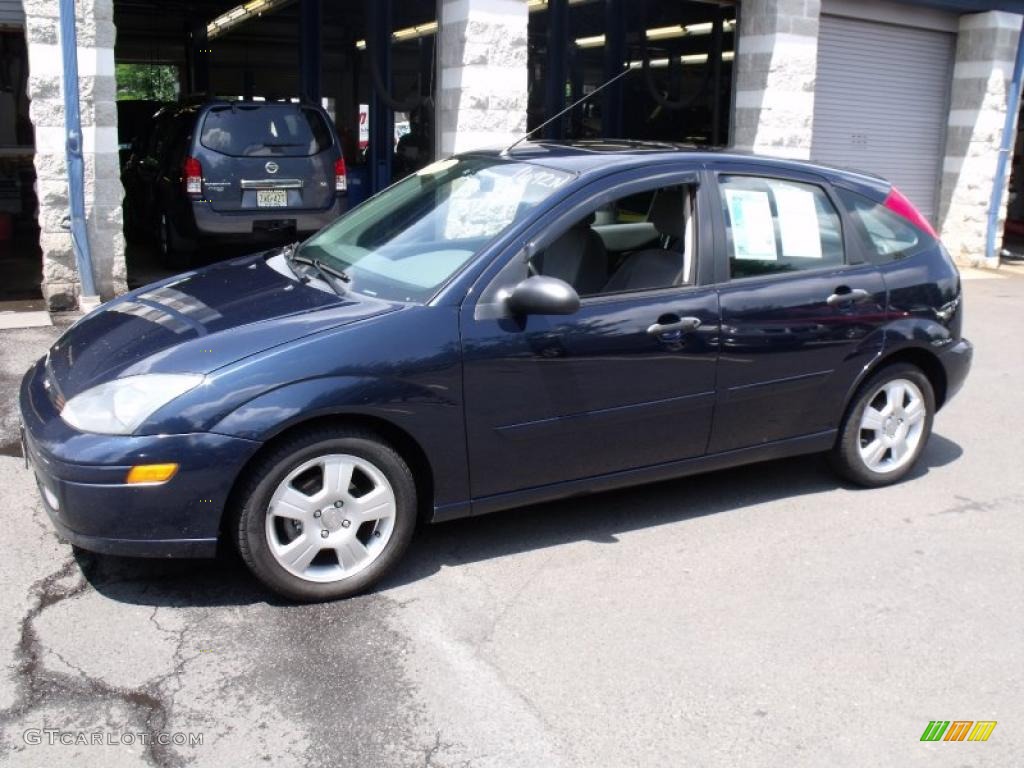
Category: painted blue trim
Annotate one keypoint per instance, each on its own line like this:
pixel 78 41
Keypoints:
pixel 73 148
pixel 1005 148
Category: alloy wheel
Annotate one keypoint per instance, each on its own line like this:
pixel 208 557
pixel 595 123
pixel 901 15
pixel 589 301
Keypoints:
pixel 330 518
pixel 892 425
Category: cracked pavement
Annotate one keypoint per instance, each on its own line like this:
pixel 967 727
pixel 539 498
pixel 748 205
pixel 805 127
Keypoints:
pixel 760 616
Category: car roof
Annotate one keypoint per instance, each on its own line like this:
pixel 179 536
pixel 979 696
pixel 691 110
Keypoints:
pixel 602 155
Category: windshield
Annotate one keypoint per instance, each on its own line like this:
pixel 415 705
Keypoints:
pixel 404 243
pixel 264 130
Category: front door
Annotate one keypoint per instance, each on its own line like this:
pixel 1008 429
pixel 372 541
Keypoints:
pixel 627 381
pixel 800 317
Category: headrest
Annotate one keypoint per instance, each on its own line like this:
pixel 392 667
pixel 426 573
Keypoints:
pixel 667 213
pixel 586 221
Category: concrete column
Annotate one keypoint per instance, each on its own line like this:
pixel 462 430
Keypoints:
pixel 985 50
pixel 481 100
pixel 776 67
pixel 103 191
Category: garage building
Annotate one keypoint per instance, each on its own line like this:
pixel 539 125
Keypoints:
pixel 916 91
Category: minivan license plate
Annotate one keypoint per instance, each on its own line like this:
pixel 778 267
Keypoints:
pixel 271 198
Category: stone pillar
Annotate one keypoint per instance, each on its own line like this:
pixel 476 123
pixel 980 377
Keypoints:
pixel 103 191
pixel 985 50
pixel 483 74
pixel 776 68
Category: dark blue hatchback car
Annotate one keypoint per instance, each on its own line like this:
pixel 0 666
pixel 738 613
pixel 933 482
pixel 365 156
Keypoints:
pixel 498 329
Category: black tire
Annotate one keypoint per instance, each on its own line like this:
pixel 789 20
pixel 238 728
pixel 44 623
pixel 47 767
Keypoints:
pixel 846 457
pixel 263 479
pixel 175 252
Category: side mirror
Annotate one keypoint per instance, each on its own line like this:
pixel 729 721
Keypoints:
pixel 540 295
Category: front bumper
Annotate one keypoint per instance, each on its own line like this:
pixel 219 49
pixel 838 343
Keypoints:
pixel 956 361
pixel 81 480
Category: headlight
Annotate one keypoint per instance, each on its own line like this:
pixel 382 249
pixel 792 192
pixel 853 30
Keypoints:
pixel 120 406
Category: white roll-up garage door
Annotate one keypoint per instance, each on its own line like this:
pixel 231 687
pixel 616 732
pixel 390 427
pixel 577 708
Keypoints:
pixel 11 13
pixel 882 101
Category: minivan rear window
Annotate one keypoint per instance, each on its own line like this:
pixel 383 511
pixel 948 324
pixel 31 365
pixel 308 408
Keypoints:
pixel 280 130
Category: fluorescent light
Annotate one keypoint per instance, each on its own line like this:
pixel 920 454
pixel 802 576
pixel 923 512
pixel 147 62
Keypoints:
pixel 542 5
pixel 692 58
pixel 590 42
pixel 240 13
pixel 407 33
pixel 664 33
pixel 659 33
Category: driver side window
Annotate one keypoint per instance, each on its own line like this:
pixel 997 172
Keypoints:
pixel 638 242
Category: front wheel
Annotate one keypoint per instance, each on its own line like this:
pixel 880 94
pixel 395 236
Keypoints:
pixel 886 427
pixel 326 514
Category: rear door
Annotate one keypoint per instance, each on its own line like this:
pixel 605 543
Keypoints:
pixel 802 313
pixel 266 157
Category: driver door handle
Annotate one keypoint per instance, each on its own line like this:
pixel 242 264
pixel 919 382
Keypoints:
pixel 682 325
pixel 844 294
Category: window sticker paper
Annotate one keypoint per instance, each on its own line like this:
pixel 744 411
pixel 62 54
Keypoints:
pixel 753 231
pixel 798 222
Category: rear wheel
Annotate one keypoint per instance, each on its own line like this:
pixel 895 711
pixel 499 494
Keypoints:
pixel 886 427
pixel 326 514
pixel 174 252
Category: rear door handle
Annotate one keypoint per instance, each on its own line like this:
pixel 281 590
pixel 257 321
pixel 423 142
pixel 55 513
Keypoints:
pixel 682 325
pixel 844 295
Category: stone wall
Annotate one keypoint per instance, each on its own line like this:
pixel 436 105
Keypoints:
pixel 776 66
pixel 483 74
pixel 103 191
pixel 985 51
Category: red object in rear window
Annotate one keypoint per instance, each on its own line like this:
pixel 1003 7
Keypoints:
pixel 899 204
pixel 192 170
pixel 340 180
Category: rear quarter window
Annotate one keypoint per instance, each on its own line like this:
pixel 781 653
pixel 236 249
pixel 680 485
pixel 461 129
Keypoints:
pixel 886 235
pixel 265 131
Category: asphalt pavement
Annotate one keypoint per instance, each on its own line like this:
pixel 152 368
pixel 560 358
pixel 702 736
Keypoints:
pixel 763 616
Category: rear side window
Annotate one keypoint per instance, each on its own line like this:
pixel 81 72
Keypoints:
pixel 778 226
pixel 284 130
pixel 887 235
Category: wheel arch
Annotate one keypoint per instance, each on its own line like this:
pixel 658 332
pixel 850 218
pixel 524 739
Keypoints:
pixel 923 359
pixel 404 443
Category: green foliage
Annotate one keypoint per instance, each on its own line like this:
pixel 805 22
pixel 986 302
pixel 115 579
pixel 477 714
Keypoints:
pixel 147 81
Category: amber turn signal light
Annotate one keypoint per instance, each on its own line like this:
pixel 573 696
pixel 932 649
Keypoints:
pixel 151 473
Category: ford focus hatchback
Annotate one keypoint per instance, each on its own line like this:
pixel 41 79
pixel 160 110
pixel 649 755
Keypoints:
pixel 498 329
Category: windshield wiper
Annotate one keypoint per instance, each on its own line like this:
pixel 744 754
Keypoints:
pixel 288 251
pixel 326 273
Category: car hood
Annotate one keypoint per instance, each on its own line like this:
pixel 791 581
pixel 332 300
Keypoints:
pixel 198 322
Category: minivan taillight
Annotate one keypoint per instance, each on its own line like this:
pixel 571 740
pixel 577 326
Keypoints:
pixel 340 181
pixel 192 171
pixel 900 205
